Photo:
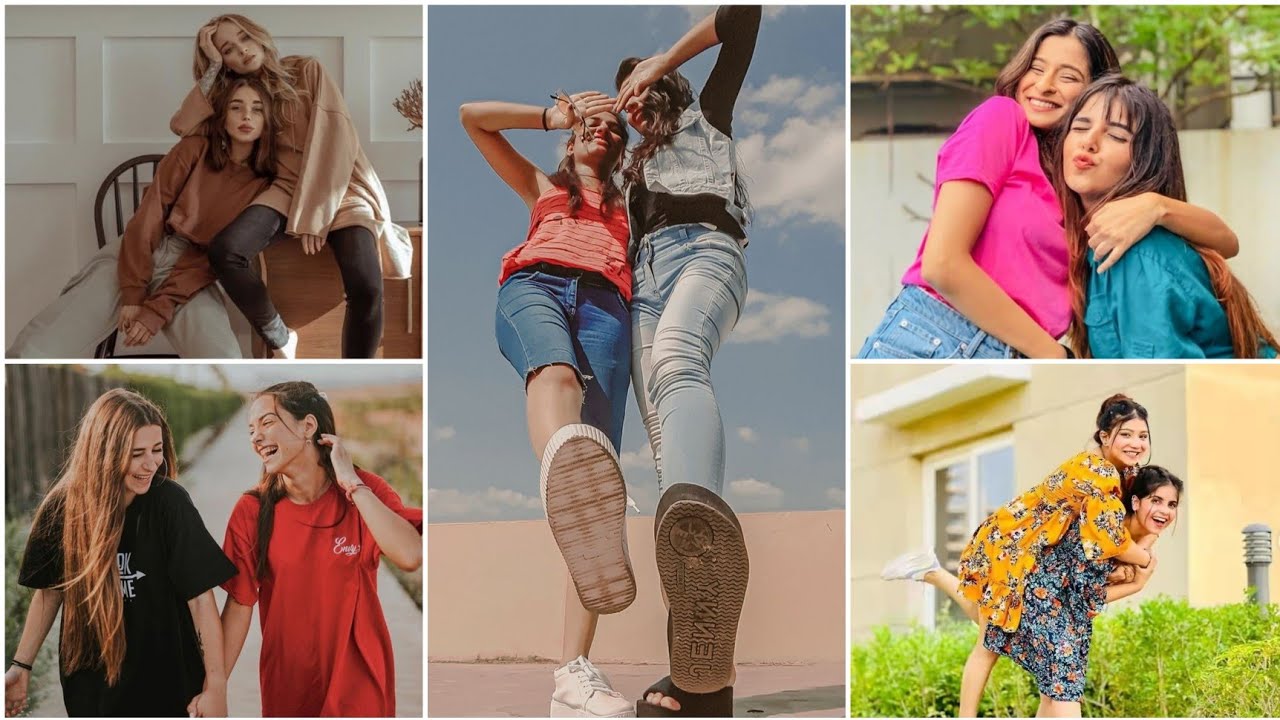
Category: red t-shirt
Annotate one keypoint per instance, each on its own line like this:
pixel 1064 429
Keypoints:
pixel 589 241
pixel 326 650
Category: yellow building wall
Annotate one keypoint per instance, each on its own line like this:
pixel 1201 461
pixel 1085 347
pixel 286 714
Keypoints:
pixel 1233 473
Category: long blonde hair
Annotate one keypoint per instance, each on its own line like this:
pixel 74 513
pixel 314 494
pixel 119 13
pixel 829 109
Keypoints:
pixel 89 496
pixel 279 80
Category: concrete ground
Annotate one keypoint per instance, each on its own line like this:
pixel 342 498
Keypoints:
pixel 216 480
pixel 524 689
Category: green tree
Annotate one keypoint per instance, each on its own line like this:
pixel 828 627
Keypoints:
pixel 1191 55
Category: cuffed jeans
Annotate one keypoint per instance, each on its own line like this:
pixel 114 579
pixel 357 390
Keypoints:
pixel 919 325
pixel 689 288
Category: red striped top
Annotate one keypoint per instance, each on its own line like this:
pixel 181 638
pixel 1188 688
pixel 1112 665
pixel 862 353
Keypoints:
pixel 588 241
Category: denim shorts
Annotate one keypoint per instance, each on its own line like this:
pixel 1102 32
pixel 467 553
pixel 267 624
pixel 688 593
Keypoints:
pixel 918 325
pixel 544 319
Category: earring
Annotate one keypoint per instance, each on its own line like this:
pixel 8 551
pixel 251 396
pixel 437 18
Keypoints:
pixel 224 143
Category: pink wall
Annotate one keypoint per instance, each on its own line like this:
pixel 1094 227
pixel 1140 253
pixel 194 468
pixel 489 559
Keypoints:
pixel 496 590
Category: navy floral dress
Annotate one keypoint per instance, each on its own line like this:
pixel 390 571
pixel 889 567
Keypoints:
pixel 1062 594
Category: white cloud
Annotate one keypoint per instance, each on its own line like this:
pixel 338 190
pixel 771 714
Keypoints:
pixel 756 494
pixel 747 435
pixel 443 432
pixel 489 503
pixel 835 496
pixel 640 458
pixel 769 317
pixel 792 92
pixel 798 172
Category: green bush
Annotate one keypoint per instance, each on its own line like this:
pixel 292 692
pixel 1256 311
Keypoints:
pixel 1161 659
pixel 187 408
pixel 17 599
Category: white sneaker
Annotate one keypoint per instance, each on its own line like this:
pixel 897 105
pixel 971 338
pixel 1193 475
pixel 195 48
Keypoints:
pixel 585 499
pixel 911 566
pixel 290 349
pixel 583 691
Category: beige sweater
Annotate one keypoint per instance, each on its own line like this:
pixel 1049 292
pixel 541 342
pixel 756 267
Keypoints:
pixel 323 180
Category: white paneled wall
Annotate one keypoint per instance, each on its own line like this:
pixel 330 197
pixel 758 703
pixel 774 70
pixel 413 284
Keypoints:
pixel 87 88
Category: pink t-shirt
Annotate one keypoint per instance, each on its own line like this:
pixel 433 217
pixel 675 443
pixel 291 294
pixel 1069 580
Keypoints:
pixel 1023 246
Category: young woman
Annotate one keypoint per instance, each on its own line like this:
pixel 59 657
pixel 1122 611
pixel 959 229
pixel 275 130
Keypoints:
pixel 325 190
pixel 1164 299
pixel 990 277
pixel 1008 547
pixel 120 549
pixel 307 542
pixel 157 278
pixel 689 211
pixel 562 322
pixel 1067 588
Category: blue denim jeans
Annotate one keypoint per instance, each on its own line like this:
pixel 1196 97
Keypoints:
pixel 690 285
pixel 918 325
pixel 545 319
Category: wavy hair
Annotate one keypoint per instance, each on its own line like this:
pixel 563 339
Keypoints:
pixel 262 158
pixel 1156 166
pixel 280 82
pixel 89 498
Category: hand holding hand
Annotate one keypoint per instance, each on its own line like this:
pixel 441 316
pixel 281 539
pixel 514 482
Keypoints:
pixel 15 690
pixel 1120 224
pixel 205 37
pixel 1123 573
pixel 134 332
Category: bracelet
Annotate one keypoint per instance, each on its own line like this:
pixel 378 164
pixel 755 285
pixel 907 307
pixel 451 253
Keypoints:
pixel 20 664
pixel 544 120
pixel 353 490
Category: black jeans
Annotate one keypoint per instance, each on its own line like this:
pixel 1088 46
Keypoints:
pixel 356 251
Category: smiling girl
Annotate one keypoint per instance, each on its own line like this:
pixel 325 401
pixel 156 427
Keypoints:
pixel 1081 502
pixel 307 543
pixel 325 190
pixel 157 277
pixel 990 277
pixel 1164 298
pixel 562 322
pixel 118 546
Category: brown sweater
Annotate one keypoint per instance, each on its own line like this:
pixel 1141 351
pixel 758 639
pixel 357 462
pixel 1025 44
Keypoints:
pixel 323 179
pixel 191 201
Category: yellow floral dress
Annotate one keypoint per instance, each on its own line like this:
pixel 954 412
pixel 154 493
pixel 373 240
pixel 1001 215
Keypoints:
pixel 1007 545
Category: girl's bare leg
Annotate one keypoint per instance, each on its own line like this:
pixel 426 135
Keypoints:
pixel 950 584
pixel 579 626
pixel 977 669
pixel 1060 708
pixel 1042 710
pixel 553 399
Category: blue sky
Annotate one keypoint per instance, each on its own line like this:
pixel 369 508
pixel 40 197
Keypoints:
pixel 780 379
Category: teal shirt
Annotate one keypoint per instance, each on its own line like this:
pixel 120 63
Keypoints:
pixel 1156 302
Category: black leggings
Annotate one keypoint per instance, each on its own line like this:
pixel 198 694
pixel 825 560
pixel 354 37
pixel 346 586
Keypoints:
pixel 356 251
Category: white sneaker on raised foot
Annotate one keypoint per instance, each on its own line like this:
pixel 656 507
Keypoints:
pixel 584 691
pixel 290 349
pixel 911 566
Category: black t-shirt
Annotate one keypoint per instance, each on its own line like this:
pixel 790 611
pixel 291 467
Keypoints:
pixel 166 557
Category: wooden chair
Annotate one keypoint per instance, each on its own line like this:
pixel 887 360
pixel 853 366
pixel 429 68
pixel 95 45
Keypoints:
pixel 107 348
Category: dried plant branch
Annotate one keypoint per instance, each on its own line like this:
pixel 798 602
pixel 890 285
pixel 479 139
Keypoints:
pixel 409 104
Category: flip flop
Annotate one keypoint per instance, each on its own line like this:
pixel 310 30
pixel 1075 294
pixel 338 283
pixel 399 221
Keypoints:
pixel 715 704
pixel 585 499
pixel 703 565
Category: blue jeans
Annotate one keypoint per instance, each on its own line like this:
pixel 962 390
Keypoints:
pixel 690 285
pixel 545 319
pixel 918 325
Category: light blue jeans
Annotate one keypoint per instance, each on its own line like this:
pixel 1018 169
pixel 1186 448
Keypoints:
pixel 689 288
pixel 919 325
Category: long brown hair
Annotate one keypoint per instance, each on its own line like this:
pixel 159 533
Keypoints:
pixel 1156 167
pixel 278 79
pixel 668 98
pixel 262 158
pixel 299 399
pixel 566 175
pixel 1102 60
pixel 90 498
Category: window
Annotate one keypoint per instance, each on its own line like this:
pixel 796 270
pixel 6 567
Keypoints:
pixel 961 488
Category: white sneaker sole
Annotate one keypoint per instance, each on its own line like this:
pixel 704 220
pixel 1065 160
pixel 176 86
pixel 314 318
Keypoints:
pixel 586 503
pixel 559 709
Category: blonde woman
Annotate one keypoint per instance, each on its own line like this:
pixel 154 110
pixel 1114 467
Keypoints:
pixel 120 549
pixel 325 190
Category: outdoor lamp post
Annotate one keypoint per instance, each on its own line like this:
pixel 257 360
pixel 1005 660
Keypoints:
pixel 1257 559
